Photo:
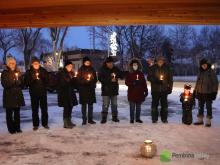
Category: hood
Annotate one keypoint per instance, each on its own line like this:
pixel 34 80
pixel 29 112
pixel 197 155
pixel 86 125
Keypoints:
pixel 135 60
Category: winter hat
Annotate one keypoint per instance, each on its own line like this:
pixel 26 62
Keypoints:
pixel 35 59
pixel 203 61
pixel 86 59
pixel 109 59
pixel 187 86
pixel 68 63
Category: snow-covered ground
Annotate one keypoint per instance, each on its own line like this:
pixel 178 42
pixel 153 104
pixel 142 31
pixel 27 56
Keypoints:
pixel 111 143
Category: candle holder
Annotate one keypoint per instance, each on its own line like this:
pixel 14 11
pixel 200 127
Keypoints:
pixel 161 77
pixel 16 75
pixel 89 77
pixel 37 75
pixel 114 76
pixel 137 77
pixel 186 98
pixel 76 73
pixel 148 149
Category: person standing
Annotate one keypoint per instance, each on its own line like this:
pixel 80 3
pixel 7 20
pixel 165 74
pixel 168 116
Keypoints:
pixel 108 76
pixel 206 90
pixel 13 99
pixel 67 84
pixel 137 89
pixel 161 79
pixel 36 78
pixel 87 80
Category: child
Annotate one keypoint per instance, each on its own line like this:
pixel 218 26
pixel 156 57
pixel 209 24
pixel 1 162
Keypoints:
pixel 188 101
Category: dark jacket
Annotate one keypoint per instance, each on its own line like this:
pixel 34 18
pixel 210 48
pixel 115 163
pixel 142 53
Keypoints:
pixel 12 93
pixel 66 89
pixel 87 87
pixel 37 87
pixel 137 86
pixel 206 84
pixel 157 85
pixel 189 103
pixel 109 88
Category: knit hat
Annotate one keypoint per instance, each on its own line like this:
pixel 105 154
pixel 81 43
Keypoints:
pixel 35 59
pixel 86 59
pixel 68 63
pixel 187 86
pixel 109 59
pixel 203 61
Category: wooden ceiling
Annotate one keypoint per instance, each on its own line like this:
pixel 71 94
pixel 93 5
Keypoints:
pixel 48 13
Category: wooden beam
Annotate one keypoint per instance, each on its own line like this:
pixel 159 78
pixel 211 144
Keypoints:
pixel 25 13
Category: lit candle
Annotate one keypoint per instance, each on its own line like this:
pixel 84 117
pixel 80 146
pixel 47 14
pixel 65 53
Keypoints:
pixel 186 98
pixel 114 75
pixel 37 75
pixel 161 77
pixel 16 75
pixel 75 74
pixel 89 77
pixel 148 148
pixel 137 77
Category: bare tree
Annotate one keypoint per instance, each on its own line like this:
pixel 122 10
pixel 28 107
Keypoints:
pixel 7 41
pixel 27 40
pixel 57 37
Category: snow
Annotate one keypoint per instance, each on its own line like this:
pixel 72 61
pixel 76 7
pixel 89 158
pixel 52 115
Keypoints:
pixel 112 143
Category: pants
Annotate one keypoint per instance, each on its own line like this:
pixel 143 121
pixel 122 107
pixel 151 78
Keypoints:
pixel 13 119
pixel 84 112
pixel 67 111
pixel 159 97
pixel 135 106
pixel 106 103
pixel 208 107
pixel 187 116
pixel 36 102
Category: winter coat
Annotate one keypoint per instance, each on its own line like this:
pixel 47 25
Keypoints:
pixel 164 86
pixel 87 87
pixel 189 103
pixel 66 89
pixel 37 87
pixel 12 93
pixel 105 75
pixel 206 84
pixel 137 86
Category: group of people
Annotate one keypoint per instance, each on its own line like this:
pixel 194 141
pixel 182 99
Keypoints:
pixel 84 81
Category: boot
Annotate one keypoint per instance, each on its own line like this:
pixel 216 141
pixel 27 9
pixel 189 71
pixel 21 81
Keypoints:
pixel 200 121
pixel 91 122
pixel 115 119
pixel 154 115
pixel 71 123
pixel 208 122
pixel 104 118
pixel 67 124
pixel 84 122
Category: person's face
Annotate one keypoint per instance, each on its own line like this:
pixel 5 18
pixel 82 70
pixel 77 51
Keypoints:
pixel 109 65
pixel 204 66
pixel 36 65
pixel 12 64
pixel 186 91
pixel 87 63
pixel 160 63
pixel 69 67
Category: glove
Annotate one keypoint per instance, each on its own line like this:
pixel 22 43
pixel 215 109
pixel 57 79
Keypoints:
pixel 169 91
pixel 195 95
pixel 145 93
pixel 136 82
pixel 214 95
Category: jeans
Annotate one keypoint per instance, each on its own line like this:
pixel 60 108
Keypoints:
pixel 36 102
pixel 13 119
pixel 159 97
pixel 90 112
pixel 208 107
pixel 106 103
pixel 135 106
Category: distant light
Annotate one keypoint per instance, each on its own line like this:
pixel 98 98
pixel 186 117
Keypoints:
pixel 57 53
pixel 113 44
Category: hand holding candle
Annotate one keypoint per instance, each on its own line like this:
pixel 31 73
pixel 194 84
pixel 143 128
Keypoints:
pixel 137 77
pixel 37 76
pixel 89 77
pixel 76 73
pixel 161 77
pixel 113 77
pixel 16 75
pixel 186 97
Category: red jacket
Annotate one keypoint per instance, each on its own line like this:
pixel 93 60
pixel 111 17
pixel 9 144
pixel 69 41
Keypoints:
pixel 138 90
